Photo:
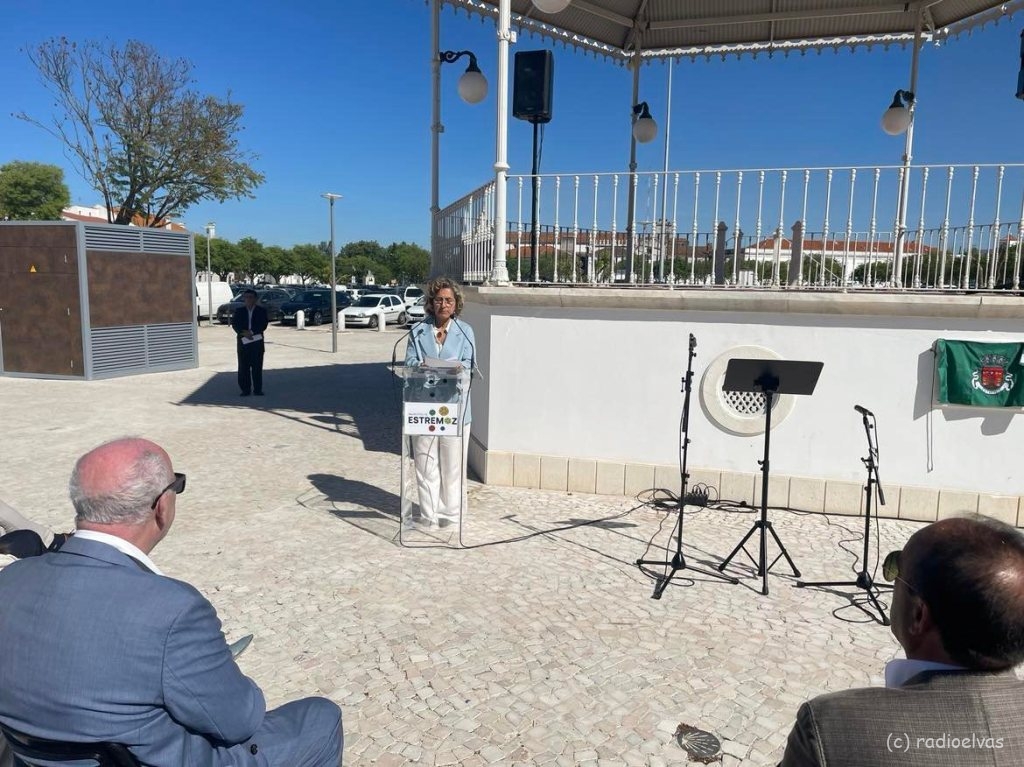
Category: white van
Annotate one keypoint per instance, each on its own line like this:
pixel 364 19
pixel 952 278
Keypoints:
pixel 409 294
pixel 221 295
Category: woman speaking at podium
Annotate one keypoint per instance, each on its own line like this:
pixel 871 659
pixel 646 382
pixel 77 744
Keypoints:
pixel 441 461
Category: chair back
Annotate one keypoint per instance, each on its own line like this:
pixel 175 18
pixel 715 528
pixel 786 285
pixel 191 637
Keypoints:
pixel 28 750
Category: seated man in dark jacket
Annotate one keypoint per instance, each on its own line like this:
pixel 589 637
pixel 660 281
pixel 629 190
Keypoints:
pixel 955 701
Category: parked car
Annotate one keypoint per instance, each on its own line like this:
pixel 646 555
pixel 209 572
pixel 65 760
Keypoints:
pixel 364 311
pixel 271 299
pixel 408 293
pixel 315 304
pixel 417 312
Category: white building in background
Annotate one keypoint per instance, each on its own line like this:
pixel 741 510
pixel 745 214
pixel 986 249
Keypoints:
pixel 848 253
pixel 97 214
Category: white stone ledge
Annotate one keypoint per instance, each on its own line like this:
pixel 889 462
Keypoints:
pixel 776 301
pixel 838 497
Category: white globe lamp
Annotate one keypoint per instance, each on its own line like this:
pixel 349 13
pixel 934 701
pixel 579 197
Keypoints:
pixel 896 118
pixel 473 85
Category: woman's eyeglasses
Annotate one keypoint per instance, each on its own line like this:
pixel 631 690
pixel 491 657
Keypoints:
pixel 445 301
pixel 178 486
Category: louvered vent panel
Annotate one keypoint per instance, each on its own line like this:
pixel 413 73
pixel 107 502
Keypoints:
pixel 172 243
pixel 113 238
pixel 135 239
pixel 117 350
pixel 169 344
pixel 139 348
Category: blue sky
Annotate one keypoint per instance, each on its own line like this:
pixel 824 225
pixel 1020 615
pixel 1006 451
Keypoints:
pixel 337 98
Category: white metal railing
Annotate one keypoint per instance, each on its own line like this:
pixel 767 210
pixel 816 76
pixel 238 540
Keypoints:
pixel 463 238
pixel 801 227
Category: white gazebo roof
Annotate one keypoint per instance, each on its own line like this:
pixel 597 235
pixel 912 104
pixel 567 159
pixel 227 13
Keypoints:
pixel 619 29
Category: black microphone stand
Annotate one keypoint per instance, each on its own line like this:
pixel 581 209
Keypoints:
pixel 678 561
pixel 864 580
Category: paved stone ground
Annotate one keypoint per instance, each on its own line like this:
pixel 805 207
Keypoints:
pixel 541 650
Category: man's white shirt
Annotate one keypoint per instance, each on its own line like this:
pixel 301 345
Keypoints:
pixel 121 545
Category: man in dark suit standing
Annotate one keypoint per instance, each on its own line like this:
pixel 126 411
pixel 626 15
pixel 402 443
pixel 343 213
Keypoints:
pixel 100 646
pixel 250 322
pixel 955 701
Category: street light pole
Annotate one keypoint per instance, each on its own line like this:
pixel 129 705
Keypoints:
pixel 334 275
pixel 211 229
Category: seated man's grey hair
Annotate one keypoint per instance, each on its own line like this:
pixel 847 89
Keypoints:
pixel 129 504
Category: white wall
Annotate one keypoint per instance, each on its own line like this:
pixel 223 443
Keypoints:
pixel 605 383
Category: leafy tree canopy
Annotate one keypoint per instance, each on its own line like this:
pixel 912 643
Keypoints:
pixel 370 249
pixel 32 191
pixel 311 263
pixel 409 263
pixel 137 131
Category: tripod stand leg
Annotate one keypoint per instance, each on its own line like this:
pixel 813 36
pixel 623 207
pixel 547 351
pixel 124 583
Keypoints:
pixel 678 563
pixel 878 606
pixel 783 550
pixel 728 559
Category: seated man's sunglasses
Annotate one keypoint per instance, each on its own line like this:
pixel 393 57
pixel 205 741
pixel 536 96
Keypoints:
pixel 178 486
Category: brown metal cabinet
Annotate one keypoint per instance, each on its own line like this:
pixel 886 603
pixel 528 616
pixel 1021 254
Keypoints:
pixel 95 300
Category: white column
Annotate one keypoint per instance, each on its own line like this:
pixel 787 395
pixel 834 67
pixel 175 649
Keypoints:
pixel 631 200
pixel 904 188
pixel 499 270
pixel 436 128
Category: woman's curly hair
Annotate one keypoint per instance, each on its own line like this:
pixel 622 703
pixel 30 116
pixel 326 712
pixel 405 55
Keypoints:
pixel 440 283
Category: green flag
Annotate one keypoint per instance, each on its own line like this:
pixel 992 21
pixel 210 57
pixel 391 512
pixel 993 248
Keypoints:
pixel 980 374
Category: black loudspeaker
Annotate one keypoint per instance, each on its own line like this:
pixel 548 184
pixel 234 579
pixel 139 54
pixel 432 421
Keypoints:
pixel 531 89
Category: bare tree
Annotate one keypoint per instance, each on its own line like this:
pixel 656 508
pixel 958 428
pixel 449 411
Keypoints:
pixel 138 133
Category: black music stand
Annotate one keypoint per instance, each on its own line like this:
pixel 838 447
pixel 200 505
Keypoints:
pixel 770 377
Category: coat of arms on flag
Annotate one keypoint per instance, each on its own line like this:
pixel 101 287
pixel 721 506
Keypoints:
pixel 992 377
pixel 979 374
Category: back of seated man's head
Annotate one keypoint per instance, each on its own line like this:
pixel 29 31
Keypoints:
pixel 117 482
pixel 969 571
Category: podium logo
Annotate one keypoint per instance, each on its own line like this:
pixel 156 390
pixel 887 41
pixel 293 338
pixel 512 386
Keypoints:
pixel 435 420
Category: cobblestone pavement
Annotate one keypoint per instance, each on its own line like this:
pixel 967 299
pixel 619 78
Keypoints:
pixel 536 644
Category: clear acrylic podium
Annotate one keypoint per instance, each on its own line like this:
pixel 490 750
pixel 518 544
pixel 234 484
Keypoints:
pixel 434 401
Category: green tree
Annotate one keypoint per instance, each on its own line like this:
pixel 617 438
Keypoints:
pixel 233 259
pixel 279 262
pixel 370 249
pixel 32 191
pixel 881 272
pixel 355 269
pixel 224 257
pixel 259 263
pixel 311 263
pixel 138 133
pixel 285 263
pixel 409 263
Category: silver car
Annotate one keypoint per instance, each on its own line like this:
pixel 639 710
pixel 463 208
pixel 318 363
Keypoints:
pixel 366 310
pixel 417 312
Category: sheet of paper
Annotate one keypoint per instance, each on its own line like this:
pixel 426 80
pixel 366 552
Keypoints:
pixel 437 362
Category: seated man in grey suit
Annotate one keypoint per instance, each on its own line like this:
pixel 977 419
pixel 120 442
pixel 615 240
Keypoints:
pixel 958 612
pixel 98 645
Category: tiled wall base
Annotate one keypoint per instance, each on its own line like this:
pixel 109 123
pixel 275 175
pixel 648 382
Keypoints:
pixel 829 496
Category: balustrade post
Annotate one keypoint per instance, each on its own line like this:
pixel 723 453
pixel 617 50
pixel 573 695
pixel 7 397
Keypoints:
pixel 796 256
pixel 719 256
